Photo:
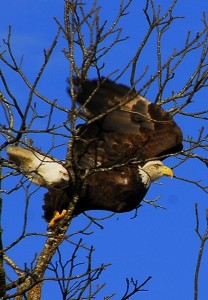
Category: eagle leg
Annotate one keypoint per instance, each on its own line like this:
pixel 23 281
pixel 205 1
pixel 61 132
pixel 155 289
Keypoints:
pixel 56 217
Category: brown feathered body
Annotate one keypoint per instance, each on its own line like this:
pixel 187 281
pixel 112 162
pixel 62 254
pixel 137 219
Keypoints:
pixel 116 191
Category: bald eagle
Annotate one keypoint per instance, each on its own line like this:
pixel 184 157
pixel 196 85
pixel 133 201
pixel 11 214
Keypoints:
pixel 116 154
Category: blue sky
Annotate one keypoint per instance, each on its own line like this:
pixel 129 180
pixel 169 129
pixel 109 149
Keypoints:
pixel 158 243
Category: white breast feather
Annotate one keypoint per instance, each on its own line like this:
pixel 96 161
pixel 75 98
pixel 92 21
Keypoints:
pixel 145 177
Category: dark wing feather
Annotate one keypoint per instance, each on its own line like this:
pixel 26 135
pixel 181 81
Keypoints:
pixel 98 96
pixel 138 129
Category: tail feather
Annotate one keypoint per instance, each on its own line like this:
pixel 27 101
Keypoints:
pixel 40 169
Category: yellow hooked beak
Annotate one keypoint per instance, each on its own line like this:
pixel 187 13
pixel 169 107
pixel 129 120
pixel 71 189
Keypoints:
pixel 167 171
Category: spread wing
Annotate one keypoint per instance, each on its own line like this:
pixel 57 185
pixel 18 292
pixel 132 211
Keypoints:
pixel 122 126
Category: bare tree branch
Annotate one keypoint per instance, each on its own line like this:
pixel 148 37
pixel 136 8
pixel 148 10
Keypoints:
pixel 88 40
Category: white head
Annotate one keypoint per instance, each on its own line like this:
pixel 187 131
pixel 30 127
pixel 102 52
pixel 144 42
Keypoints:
pixel 153 170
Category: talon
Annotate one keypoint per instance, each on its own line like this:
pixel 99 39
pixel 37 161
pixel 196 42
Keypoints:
pixel 56 217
